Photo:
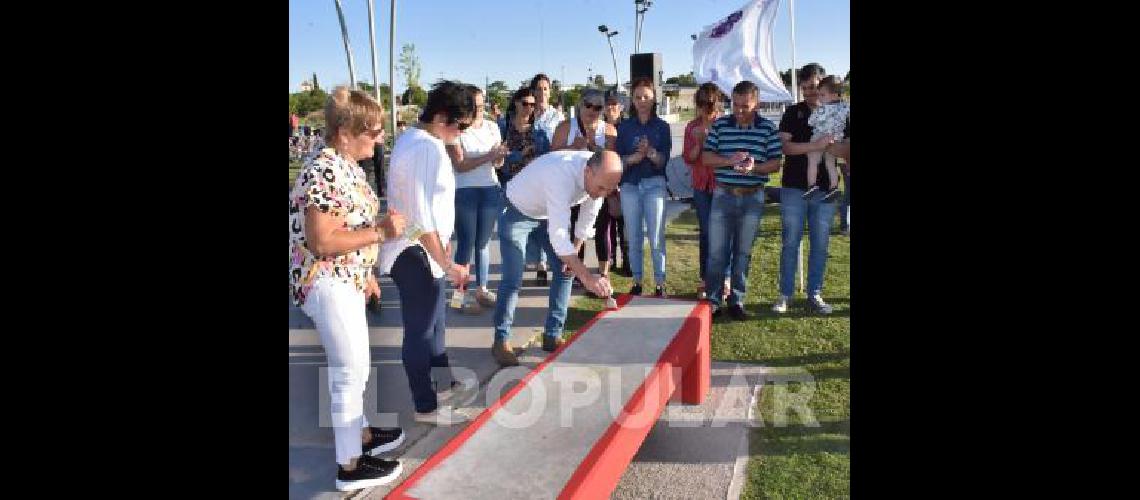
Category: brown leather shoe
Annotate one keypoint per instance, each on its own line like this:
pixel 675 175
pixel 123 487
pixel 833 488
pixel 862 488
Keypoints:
pixel 503 353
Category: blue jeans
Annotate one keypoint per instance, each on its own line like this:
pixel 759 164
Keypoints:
pixel 793 211
pixel 734 222
pixel 424 310
pixel 476 209
pixel 702 202
pixel 645 199
pixel 515 229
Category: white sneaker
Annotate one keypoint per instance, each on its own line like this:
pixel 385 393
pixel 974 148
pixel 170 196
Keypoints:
pixel 781 305
pixel 458 388
pixel 443 415
pixel 818 305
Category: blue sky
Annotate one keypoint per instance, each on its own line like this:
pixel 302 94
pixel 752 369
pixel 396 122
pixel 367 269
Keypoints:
pixel 511 40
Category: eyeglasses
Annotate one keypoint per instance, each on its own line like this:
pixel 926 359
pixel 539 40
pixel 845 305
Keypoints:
pixel 462 125
pixel 529 104
pixel 704 103
pixel 595 107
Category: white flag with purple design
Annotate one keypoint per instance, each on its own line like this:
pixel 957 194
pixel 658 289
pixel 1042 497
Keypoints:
pixel 739 47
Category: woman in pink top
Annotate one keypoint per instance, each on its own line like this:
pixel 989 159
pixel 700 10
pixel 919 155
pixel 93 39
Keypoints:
pixel 708 100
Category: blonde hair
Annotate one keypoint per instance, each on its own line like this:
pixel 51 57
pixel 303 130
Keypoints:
pixel 353 110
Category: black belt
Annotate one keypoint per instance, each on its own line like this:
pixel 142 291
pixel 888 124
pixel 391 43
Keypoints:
pixel 741 190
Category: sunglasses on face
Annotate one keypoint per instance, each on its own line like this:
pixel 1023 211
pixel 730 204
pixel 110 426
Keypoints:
pixel 706 103
pixel 529 104
pixel 595 107
pixel 462 125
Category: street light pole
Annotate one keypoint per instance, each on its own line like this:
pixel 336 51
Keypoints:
pixel 609 35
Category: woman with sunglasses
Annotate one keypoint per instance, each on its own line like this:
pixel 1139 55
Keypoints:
pixel 709 101
pixel 644 144
pixel 478 200
pixel 421 184
pixel 333 237
pixel 587 132
pixel 524 142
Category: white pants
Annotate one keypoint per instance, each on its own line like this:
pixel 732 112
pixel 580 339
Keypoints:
pixel 338 311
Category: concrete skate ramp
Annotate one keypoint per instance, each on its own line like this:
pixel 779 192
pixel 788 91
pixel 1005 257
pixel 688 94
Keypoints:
pixel 570 427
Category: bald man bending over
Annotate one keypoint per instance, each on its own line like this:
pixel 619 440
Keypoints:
pixel 539 200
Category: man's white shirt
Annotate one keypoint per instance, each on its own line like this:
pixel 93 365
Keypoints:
pixel 548 187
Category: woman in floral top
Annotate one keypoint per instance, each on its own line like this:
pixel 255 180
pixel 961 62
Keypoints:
pixel 525 142
pixel 334 233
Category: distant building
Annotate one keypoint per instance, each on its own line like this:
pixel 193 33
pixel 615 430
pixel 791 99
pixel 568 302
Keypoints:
pixel 306 86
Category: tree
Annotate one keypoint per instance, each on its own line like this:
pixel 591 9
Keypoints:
pixel 686 80
pixel 415 95
pixel 385 91
pixel 316 86
pixel 498 92
pixel 304 103
pixel 573 96
pixel 410 65
pixel 497 87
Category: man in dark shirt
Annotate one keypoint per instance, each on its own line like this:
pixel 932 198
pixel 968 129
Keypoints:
pixel 795 135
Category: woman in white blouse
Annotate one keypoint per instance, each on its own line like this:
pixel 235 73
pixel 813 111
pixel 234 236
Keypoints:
pixel 478 200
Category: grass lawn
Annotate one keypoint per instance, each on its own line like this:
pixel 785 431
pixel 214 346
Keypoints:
pixel 793 461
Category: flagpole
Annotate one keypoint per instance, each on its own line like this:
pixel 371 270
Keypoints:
pixel 392 67
pixel 796 98
pixel 792 16
pixel 347 49
pixel 372 43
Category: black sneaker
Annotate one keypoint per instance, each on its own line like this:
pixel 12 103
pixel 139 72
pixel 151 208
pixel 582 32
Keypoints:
pixel 551 344
pixel 808 193
pixel 717 311
pixel 384 439
pixel 373 305
pixel 660 291
pixel 832 195
pixel 370 471
pixel 736 311
pixel 636 290
pixel 541 278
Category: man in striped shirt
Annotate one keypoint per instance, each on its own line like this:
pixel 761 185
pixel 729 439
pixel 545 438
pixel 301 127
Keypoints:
pixel 743 148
